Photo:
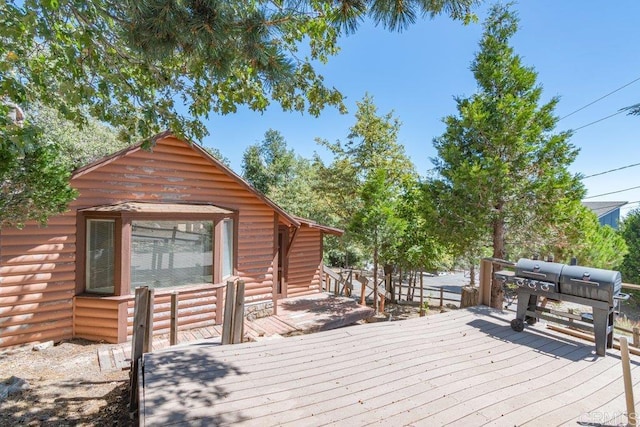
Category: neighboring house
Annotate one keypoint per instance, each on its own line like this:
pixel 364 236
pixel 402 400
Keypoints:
pixel 608 212
pixel 174 219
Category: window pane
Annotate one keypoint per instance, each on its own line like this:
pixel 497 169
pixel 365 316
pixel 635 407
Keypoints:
pixel 100 262
pixel 171 253
pixel 227 248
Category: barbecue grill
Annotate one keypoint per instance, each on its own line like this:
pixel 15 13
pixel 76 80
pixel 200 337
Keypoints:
pixel 594 287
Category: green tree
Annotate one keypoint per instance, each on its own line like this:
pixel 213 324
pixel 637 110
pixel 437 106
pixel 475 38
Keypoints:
pixel 377 224
pixel 34 184
pixel 146 66
pixel 35 173
pixel 503 174
pixel 269 164
pixel 135 63
pixel 371 161
pixel 630 230
pixel 78 146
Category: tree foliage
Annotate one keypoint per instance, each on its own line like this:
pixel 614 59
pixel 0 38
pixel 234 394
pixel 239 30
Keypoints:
pixel 137 63
pixel 78 146
pixel 503 176
pixel 270 163
pixel 630 230
pixel 366 179
pixel 34 184
pixel 150 65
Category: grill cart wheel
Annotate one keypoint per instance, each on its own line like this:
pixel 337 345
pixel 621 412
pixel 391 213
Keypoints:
pixel 517 325
pixel 531 321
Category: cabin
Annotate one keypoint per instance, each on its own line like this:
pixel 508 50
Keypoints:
pixel 173 218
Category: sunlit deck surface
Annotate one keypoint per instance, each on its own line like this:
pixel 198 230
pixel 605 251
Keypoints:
pixel 465 367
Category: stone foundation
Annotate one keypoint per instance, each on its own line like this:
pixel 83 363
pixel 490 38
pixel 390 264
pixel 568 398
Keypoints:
pixel 258 310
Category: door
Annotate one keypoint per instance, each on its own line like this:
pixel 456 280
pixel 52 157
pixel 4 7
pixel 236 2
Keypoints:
pixel 283 243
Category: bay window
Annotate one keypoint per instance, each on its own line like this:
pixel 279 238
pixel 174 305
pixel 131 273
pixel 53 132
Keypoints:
pixel 125 248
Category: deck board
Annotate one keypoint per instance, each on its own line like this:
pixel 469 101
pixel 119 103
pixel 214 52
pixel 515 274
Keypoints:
pixel 465 367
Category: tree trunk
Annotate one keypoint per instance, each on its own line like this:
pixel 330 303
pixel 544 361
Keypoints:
pixel 497 294
pixel 388 271
pixel 472 274
pixel 399 283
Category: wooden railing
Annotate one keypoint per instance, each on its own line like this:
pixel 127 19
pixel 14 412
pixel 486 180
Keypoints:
pixel 142 340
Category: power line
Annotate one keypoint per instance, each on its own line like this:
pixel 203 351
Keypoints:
pixel 611 170
pixel 597 121
pixel 612 192
pixel 599 99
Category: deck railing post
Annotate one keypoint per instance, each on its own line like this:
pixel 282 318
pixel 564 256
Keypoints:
pixel 636 337
pixel 148 336
pixel 229 303
pixel 421 296
pixel 173 335
pixel 238 314
pixel 140 319
pixel 628 383
pixel 441 296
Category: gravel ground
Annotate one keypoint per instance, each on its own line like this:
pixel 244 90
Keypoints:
pixel 64 387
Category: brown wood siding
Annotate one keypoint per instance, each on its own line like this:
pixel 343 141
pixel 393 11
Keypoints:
pixel 96 319
pixel 37 265
pixel 305 262
pixel 196 308
pixel 37 281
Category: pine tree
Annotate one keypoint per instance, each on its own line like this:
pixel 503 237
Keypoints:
pixel 630 229
pixel 502 169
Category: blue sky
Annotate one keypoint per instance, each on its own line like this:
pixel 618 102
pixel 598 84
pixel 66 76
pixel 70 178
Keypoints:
pixel 581 51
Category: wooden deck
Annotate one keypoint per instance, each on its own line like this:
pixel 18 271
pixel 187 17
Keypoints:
pixel 464 367
pixel 306 314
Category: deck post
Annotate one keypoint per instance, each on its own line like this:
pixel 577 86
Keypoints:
pixel 441 296
pixel 148 331
pixel 636 337
pixel 229 303
pixel 173 334
pixel 486 274
pixel 628 383
pixel 421 295
pixel 238 314
pixel 140 318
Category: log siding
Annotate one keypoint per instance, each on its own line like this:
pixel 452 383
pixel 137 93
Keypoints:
pixel 41 280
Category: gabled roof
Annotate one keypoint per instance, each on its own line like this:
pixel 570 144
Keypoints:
pixel 603 208
pixel 204 153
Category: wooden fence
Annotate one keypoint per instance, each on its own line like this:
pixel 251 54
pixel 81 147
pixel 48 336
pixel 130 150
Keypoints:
pixel 343 282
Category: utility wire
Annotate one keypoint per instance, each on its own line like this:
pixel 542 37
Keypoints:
pixel 611 170
pixel 599 99
pixel 597 121
pixel 612 192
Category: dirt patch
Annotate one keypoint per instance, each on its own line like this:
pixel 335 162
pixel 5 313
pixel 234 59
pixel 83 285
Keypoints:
pixel 64 387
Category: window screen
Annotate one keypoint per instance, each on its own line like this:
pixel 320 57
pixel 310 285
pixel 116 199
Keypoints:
pixel 171 253
pixel 100 261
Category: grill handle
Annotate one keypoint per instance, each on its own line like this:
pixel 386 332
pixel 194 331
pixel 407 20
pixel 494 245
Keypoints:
pixel 535 274
pixel 621 297
pixel 586 282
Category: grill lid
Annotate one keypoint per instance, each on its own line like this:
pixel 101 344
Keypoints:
pixel 539 270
